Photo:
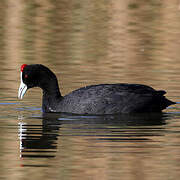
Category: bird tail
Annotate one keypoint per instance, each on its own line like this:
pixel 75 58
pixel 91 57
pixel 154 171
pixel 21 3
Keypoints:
pixel 164 101
pixel 167 102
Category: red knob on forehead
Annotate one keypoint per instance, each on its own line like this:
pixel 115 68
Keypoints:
pixel 23 66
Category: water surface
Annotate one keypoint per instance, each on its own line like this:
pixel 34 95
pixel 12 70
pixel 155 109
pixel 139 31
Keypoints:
pixel 89 42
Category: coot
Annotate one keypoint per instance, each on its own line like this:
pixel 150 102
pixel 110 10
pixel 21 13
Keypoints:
pixel 93 99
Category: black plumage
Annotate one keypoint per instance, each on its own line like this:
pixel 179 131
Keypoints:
pixel 94 99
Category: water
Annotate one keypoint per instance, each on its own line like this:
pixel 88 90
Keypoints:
pixel 89 42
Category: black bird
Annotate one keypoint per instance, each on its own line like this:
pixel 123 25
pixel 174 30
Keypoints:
pixel 93 99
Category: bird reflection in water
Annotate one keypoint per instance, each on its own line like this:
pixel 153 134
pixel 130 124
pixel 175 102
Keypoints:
pixel 37 141
pixel 40 141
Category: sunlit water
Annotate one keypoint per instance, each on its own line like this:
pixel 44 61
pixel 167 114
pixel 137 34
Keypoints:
pixel 89 42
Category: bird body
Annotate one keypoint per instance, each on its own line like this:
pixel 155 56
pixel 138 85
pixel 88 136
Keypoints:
pixel 93 99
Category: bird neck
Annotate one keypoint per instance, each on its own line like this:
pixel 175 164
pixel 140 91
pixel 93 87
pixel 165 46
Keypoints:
pixel 51 96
